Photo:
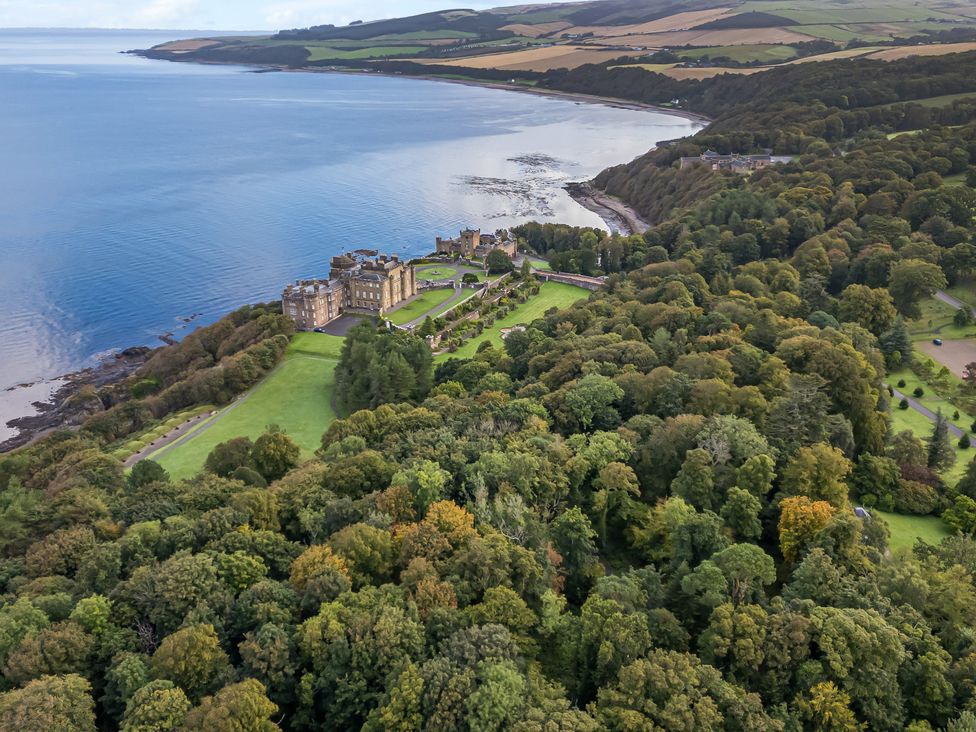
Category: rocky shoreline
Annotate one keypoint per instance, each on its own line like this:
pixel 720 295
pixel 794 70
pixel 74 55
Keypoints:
pixel 66 406
pixel 618 215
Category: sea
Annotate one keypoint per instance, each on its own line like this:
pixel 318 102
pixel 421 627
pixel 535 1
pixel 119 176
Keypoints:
pixel 143 198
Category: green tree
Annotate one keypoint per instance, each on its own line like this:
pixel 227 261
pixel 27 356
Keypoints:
pixel 498 262
pixel 228 456
pixel 241 707
pixel 159 705
pixel 145 472
pixel 818 472
pixel 616 489
pixel 49 704
pixel 871 308
pixel 666 690
pixel 274 454
pixel 741 513
pixel 193 659
pixel 912 280
pixel 941 456
pixel 695 482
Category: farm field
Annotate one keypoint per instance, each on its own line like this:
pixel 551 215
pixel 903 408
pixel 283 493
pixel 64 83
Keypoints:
pixel 551 295
pixel 322 53
pixel 423 303
pixel 905 529
pixel 769 53
pixel 297 396
pixel 936 49
pixel 536 59
pixel 678 21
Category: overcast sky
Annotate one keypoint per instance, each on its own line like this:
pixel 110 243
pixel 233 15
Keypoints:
pixel 212 14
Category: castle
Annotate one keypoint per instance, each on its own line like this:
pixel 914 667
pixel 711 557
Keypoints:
pixel 735 161
pixel 370 286
pixel 473 244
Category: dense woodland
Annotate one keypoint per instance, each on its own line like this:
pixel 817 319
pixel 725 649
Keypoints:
pixel 636 515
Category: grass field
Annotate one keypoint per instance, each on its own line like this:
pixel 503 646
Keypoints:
pixel 964 290
pixel 937 322
pixel 905 529
pixel 437 272
pixel 921 427
pixel 297 397
pixel 551 295
pixel 430 299
pixel 540 265
pixel 943 101
pixel 765 52
pixel 323 53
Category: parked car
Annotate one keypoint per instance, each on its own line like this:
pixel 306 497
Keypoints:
pixel 937 341
pixel 318 330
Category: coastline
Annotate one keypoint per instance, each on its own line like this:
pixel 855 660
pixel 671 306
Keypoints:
pixel 606 101
pixel 615 213
pixel 30 411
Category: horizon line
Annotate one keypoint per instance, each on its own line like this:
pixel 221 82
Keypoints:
pixel 130 28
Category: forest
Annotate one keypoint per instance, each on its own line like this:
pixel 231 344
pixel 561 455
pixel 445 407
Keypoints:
pixel 660 509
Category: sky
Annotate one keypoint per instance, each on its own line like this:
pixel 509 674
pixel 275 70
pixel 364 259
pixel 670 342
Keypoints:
pixel 212 14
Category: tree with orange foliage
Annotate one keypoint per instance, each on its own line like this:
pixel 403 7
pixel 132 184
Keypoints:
pixel 800 520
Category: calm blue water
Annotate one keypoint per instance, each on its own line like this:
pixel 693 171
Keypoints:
pixel 134 193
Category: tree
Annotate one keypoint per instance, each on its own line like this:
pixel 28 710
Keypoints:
pixel 228 456
pixel 695 482
pixel 49 704
pixel 241 707
pixel 498 262
pixel 818 472
pixel 896 345
pixel 827 708
pixel 159 705
pixel 666 690
pixel 319 575
pixel 741 513
pixel 912 280
pixel 871 308
pixel 940 453
pixel 801 519
pixel 193 659
pixel 274 454
pixel 145 472
pixel 616 488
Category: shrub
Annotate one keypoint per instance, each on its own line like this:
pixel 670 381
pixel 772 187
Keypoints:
pixel 903 404
pixel 919 391
pixel 901 383
pixel 915 497
pixel 955 414
pixel 964 443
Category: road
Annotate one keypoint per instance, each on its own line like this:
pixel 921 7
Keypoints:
pixel 950 300
pixel 930 415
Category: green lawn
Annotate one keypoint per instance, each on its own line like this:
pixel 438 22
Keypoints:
pixel 551 295
pixel 438 272
pixel 540 265
pixel 297 397
pixel 135 443
pixel 965 291
pixel 943 101
pixel 765 52
pixel 921 427
pixel 905 529
pixel 937 322
pixel 959 179
pixel 413 310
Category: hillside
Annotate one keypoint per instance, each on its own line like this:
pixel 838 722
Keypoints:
pixel 529 39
